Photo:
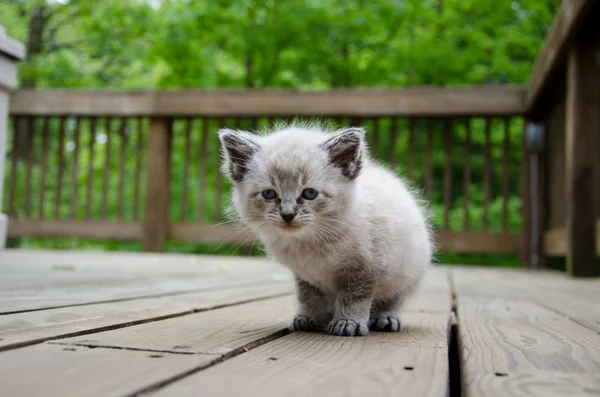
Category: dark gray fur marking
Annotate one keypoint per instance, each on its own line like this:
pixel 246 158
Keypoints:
pixel 313 302
pixel 345 151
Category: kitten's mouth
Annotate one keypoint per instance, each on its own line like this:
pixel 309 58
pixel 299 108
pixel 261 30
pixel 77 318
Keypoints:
pixel 289 226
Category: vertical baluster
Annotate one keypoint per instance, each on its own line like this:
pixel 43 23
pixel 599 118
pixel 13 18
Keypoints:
pixel 29 143
pixel 505 174
pixel 90 179
pixel 487 175
pixel 75 169
pixel 447 172
pixel 122 165
pixel 44 166
pixel 138 168
pixel 61 166
pixel 429 161
pixel 202 168
pixel 467 174
pixel 186 168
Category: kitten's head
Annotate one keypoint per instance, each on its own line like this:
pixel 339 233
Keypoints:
pixel 296 179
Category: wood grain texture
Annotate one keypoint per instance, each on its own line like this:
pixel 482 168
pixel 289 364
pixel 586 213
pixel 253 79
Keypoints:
pixel 356 102
pixel 156 219
pixel 412 363
pixel 22 329
pixel 556 241
pixel 76 372
pixel 573 298
pixel 512 347
pixel 554 51
pixel 582 122
pixel 214 332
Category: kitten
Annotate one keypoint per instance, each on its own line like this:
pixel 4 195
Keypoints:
pixel 352 233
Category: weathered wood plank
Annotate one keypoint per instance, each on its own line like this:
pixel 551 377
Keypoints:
pixel 212 332
pixel 95 229
pixel 556 243
pixel 203 339
pixel 158 177
pixel 68 279
pixel 512 347
pixel 75 372
pixel 34 327
pixel 207 233
pixel 582 122
pixel 574 298
pixel 356 102
pixel 565 25
pixel 412 363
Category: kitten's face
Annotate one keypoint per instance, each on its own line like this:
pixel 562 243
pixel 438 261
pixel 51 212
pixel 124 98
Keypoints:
pixel 294 181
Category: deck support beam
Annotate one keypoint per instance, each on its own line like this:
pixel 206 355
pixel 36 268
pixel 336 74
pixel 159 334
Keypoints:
pixel 582 125
pixel 11 52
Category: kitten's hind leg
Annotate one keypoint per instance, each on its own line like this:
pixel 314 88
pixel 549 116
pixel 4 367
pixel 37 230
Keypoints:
pixel 384 315
pixel 312 312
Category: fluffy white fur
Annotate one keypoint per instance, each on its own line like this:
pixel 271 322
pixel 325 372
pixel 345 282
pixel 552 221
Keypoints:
pixel 369 224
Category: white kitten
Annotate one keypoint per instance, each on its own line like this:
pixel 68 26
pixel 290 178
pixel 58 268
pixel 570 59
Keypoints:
pixel 351 231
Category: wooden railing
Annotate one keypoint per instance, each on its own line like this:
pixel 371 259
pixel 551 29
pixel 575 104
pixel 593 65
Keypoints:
pixel 563 98
pixel 102 164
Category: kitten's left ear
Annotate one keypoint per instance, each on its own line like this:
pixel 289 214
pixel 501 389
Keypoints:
pixel 346 149
pixel 239 148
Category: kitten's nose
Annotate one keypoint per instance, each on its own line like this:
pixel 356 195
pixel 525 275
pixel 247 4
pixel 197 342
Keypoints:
pixel 288 216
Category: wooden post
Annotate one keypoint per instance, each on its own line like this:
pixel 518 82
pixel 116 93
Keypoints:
pixel 158 174
pixel 582 124
pixel 11 52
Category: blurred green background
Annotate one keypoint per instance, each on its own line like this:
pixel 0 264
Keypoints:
pixel 292 44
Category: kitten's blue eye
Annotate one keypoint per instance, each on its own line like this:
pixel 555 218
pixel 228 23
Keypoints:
pixel 310 194
pixel 269 194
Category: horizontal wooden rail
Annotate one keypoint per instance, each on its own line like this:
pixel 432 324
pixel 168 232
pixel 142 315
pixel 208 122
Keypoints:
pixel 477 101
pixel 552 57
pixel 556 242
pixel 466 242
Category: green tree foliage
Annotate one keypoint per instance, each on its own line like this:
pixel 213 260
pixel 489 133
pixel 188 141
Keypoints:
pixel 302 44
pixel 292 44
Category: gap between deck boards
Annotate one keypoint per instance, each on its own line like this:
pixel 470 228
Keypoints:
pixel 161 295
pixel 113 327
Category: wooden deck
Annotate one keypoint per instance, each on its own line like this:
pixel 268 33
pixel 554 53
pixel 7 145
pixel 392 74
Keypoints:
pixel 81 324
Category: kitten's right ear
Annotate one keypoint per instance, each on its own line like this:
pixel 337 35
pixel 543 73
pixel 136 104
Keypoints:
pixel 239 147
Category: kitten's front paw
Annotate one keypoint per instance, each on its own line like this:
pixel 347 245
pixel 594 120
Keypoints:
pixel 385 322
pixel 305 323
pixel 347 327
